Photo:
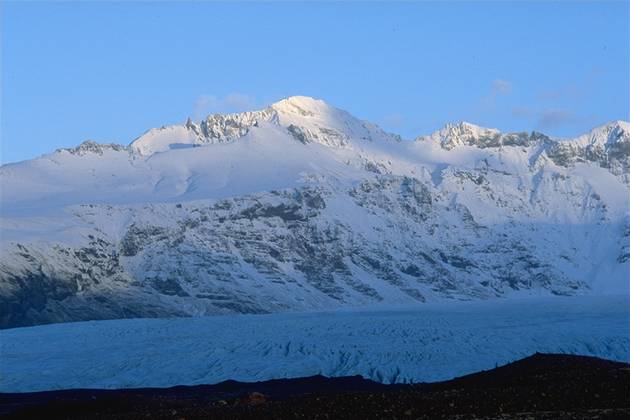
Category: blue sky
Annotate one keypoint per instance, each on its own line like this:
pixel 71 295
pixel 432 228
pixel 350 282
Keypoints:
pixel 109 71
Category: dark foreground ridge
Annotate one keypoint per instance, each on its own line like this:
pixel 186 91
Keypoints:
pixel 542 386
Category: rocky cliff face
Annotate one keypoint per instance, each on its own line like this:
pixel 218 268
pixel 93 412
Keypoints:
pixel 607 146
pixel 301 206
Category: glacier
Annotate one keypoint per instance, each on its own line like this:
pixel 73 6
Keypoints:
pixel 431 342
pixel 303 207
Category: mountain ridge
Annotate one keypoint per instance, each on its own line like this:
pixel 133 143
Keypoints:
pixel 310 208
pixel 221 128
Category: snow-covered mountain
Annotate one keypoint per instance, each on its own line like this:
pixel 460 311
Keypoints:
pixel 302 206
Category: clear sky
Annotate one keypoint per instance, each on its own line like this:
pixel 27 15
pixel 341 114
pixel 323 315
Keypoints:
pixel 109 71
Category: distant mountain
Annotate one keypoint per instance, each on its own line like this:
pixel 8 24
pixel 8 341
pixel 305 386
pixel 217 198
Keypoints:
pixel 303 206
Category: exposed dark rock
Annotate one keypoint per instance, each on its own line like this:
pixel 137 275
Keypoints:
pixel 542 386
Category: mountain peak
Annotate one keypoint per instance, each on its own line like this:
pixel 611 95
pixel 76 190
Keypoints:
pixel 464 128
pixel 460 134
pixel 91 146
pixel 300 100
pixel 614 132
pixel 608 135
pixel 312 120
pixel 304 106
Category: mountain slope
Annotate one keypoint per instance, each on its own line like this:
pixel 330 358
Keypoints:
pixel 303 206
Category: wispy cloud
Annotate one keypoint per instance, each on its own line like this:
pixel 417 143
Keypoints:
pixel 551 118
pixel 500 87
pixel 576 90
pixel 393 121
pixel 563 93
pixel 523 112
pixel 556 105
pixel 232 102
pixel 486 104
pixel 547 118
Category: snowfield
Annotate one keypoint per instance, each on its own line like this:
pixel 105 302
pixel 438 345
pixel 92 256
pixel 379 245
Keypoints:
pixel 302 207
pixel 427 342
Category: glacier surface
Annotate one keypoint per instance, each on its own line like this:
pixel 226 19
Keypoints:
pixel 427 343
